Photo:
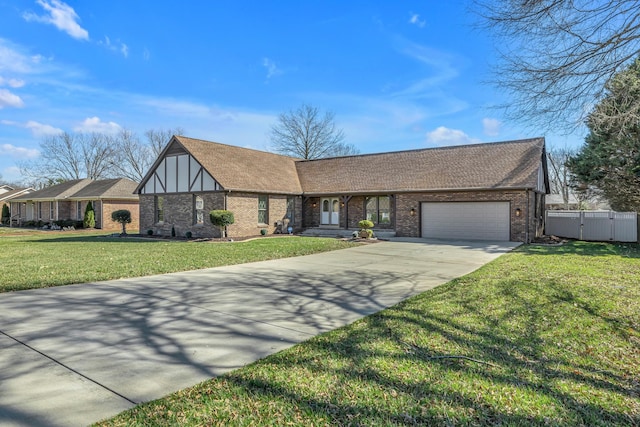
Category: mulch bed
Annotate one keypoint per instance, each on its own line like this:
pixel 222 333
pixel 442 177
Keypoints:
pixel 549 240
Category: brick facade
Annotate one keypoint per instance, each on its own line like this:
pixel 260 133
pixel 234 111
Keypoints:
pixel 179 213
pixel 109 207
pixel 49 211
pixel 410 226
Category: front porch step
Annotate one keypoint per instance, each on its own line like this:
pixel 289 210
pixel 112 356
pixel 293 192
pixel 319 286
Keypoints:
pixel 341 232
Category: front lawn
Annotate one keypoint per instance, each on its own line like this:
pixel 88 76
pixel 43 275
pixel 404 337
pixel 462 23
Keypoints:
pixel 38 259
pixel 541 336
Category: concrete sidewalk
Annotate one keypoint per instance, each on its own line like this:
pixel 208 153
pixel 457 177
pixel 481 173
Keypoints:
pixel 76 354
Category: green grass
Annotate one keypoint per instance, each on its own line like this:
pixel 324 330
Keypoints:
pixel 552 335
pixel 37 259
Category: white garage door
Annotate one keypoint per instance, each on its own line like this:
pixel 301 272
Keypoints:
pixel 466 220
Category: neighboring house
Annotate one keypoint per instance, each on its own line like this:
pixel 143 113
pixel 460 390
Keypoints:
pixel 491 191
pixel 67 202
pixel 556 202
pixel 8 192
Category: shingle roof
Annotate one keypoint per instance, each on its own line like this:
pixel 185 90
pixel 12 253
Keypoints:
pixel 243 169
pixel 58 191
pixel 14 193
pixel 511 164
pixel 498 165
pixel 119 188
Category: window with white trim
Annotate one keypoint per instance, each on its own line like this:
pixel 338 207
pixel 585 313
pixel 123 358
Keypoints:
pixel 263 206
pixel 198 209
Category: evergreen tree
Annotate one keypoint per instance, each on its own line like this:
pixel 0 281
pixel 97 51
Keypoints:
pixel 89 217
pixel 610 158
pixel 6 214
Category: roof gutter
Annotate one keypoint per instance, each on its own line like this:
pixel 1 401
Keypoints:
pixel 436 190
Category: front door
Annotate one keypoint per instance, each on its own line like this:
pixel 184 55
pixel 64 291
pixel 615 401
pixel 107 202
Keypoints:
pixel 330 211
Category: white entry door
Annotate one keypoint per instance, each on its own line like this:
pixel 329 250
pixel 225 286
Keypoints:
pixel 330 212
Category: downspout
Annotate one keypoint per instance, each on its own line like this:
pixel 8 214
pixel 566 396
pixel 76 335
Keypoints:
pixel 526 234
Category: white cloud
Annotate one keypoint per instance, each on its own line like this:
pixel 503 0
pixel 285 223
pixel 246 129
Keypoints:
pixel 36 128
pixel 8 99
pixel 116 46
pixel 272 68
pixel 14 83
pixel 18 152
pixel 491 127
pixel 13 61
pixel 40 129
pixel 439 65
pixel 94 124
pixel 443 136
pixel 11 174
pixel 415 20
pixel 60 15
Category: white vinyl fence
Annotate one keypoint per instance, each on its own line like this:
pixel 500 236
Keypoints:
pixel 602 226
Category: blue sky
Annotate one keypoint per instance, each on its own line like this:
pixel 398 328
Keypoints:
pixel 397 75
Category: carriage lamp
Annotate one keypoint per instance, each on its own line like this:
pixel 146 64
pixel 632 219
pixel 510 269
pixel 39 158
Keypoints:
pixel 518 212
pixel 412 212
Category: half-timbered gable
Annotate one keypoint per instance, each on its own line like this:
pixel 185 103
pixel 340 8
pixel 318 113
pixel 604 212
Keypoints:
pixel 179 172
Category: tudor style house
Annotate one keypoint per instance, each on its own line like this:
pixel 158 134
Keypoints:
pixel 68 201
pixel 492 191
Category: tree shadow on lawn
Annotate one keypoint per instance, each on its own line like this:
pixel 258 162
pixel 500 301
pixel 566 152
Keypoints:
pixel 524 365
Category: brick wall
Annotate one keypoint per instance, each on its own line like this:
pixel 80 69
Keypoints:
pixel 245 210
pixel 110 206
pixel 409 226
pixel 179 214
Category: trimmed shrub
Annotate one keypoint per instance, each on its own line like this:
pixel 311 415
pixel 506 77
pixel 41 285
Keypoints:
pixel 188 234
pixel 221 218
pixel 149 232
pixel 6 215
pixel 122 216
pixel 89 217
pixel 365 224
pixel 263 231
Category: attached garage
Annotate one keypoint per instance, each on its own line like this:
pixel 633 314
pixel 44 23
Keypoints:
pixel 466 220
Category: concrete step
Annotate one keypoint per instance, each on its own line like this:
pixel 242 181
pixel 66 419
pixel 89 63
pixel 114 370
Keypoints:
pixel 341 232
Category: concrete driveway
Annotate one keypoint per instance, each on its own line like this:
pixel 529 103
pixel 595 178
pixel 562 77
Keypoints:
pixel 76 354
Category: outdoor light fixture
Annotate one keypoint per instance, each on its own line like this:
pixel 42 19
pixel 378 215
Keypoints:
pixel 518 212
pixel 342 204
pixel 314 204
pixel 412 212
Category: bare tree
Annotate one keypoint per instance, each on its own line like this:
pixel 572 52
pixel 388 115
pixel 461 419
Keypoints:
pixel 560 177
pixel 68 156
pixel 158 138
pixel 308 134
pixel 135 156
pixel 557 55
